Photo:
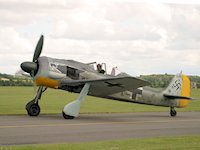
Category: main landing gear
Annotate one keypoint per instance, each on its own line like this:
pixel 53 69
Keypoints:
pixel 72 109
pixel 32 107
pixel 172 112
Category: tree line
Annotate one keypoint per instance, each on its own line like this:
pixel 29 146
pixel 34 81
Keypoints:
pixel 163 80
pixel 156 80
pixel 10 80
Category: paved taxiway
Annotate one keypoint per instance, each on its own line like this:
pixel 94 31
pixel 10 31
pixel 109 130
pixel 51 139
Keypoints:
pixel 95 127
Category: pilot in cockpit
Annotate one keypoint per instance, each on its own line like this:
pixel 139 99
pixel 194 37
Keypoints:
pixel 99 69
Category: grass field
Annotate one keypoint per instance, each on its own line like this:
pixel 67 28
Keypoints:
pixel 162 143
pixel 14 99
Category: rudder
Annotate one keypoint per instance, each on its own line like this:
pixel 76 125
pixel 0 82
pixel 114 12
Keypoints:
pixel 179 88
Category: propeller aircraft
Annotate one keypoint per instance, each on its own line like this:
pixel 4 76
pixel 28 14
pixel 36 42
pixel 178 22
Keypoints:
pixel 77 77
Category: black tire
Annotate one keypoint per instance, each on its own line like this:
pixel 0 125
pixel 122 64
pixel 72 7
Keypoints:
pixel 67 116
pixel 33 109
pixel 173 113
pixel 29 104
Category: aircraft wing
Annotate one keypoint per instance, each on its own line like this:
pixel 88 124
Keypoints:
pixel 106 86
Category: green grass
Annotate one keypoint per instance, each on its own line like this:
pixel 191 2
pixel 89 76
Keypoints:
pixel 161 143
pixel 14 99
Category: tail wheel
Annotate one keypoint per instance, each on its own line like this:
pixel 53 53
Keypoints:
pixel 173 112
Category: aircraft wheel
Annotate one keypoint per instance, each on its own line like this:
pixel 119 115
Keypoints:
pixel 67 116
pixel 173 113
pixel 29 104
pixel 33 109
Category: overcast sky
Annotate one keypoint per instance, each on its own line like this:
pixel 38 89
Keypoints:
pixel 138 37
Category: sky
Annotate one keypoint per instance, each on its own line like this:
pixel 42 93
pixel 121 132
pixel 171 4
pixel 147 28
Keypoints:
pixel 139 37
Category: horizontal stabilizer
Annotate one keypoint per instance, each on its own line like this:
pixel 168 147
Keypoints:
pixel 176 97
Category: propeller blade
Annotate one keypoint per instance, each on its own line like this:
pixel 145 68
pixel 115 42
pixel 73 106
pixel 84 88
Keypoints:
pixel 32 73
pixel 34 88
pixel 38 49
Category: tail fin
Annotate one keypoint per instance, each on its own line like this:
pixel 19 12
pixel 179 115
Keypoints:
pixel 179 88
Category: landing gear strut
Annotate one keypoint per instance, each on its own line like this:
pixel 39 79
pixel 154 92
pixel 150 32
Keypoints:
pixel 32 107
pixel 172 112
